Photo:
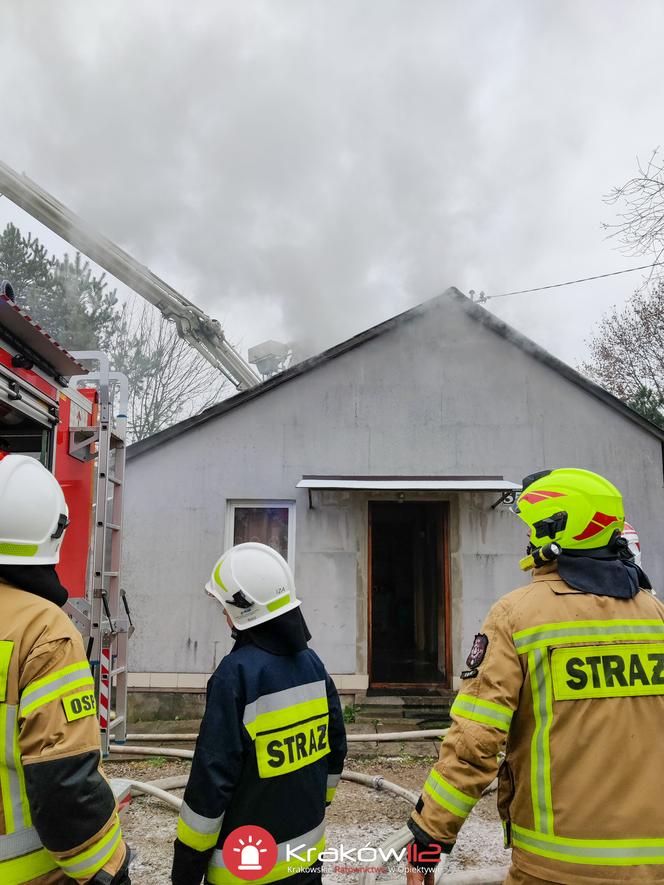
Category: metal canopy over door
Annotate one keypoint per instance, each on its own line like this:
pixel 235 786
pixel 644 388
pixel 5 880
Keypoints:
pixel 409 597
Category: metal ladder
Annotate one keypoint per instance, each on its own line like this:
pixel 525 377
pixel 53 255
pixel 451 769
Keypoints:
pixel 103 617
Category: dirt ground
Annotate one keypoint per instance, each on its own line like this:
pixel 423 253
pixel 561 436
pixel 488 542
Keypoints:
pixel 357 817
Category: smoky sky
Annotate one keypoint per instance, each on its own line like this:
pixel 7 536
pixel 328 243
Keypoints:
pixel 303 170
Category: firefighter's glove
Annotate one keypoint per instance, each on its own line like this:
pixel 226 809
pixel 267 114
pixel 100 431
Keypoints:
pixel 189 865
pixel 120 878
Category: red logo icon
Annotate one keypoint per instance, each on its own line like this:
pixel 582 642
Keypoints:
pixel 249 852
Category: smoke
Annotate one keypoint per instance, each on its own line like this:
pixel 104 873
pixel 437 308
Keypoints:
pixel 304 169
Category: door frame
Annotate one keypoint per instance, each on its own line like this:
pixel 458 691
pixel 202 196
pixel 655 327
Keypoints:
pixel 446 577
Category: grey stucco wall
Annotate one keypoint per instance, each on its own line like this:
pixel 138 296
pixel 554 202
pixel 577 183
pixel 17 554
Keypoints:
pixel 439 394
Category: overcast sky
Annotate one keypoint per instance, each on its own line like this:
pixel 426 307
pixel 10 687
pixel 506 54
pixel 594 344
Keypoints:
pixel 303 169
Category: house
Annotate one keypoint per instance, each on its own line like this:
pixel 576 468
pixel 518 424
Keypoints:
pixel 382 469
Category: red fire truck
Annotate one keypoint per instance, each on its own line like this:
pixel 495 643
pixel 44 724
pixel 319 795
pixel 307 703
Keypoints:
pixel 69 411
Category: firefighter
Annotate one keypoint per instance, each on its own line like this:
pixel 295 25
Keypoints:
pixel 570 671
pixel 59 822
pixel 272 742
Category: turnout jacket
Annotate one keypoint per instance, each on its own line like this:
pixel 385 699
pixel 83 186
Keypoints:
pixel 575 683
pixel 270 753
pixel 58 820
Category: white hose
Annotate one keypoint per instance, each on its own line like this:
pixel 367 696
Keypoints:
pixel 423 735
pixel 127 750
pixel 152 790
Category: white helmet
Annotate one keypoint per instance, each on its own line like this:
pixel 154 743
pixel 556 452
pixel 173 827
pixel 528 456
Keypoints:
pixel 33 513
pixel 630 535
pixel 254 584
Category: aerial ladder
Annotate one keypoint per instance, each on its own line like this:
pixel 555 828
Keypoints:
pixel 197 328
pixel 100 609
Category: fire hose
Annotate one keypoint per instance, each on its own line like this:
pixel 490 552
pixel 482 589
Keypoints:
pixel 395 843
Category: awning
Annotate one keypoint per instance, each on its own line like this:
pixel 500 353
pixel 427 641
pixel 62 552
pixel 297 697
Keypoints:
pixel 411 483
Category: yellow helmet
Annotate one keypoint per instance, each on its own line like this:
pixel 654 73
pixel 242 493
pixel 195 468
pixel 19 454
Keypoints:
pixel 577 509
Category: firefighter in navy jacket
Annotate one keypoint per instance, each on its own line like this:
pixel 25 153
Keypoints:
pixel 272 743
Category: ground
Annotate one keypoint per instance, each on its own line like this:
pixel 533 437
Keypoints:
pixel 358 816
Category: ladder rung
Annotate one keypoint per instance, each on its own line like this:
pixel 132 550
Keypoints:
pixel 117 671
pixel 115 480
pixel 110 574
pixel 115 722
pixel 113 526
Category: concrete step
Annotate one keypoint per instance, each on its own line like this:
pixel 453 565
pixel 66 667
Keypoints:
pixel 431 708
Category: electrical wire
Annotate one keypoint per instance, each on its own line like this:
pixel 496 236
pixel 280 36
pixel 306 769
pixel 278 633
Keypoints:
pixel 601 276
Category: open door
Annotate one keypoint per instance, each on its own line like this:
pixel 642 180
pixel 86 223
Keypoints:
pixel 408 623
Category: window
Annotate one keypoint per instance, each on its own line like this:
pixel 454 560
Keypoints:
pixel 268 522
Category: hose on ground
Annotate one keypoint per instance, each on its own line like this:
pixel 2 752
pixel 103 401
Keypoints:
pixel 424 734
pixel 159 793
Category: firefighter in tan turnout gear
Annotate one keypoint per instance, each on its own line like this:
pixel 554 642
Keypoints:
pixel 570 671
pixel 58 819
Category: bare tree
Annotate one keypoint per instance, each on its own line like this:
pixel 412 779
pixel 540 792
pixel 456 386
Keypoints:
pixel 627 352
pixel 640 225
pixel 168 380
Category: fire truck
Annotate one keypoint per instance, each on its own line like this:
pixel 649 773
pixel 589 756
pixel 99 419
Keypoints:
pixel 68 410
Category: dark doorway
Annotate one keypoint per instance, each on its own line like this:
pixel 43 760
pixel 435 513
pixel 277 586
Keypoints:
pixel 408 611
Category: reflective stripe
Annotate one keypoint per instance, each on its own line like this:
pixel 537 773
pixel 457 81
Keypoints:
pixel 54 686
pixel 478 710
pixel 197 831
pixel 26 868
pixel 447 795
pixel 307 846
pixel 333 780
pixel 90 861
pixel 6 648
pixel 288 749
pixel 567 632
pixel 607 852
pixel 14 797
pixel 283 708
pixel 19 843
pixel 540 756
pixel 330 793
pixel 279 602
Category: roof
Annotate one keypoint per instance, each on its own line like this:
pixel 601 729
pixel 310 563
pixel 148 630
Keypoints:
pixel 28 337
pixel 474 310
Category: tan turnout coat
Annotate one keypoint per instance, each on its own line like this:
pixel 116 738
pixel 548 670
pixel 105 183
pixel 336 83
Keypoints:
pixel 574 684
pixel 52 792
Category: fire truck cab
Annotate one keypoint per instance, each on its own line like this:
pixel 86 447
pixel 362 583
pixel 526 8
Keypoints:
pixel 56 408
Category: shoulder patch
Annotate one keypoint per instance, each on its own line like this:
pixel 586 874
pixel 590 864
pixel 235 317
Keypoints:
pixel 478 651
pixel 469 674
pixel 79 705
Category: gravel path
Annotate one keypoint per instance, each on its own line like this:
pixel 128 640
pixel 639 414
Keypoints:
pixel 358 817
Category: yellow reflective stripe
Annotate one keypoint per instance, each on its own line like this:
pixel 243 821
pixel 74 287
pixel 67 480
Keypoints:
pixel 540 754
pixel 447 795
pixel 20 777
pixel 53 686
pixel 605 852
pixel 568 632
pixel 195 840
pixel 329 793
pixel 90 861
pixel 6 648
pixel 479 710
pixel 18 549
pixel 5 786
pixel 217 576
pixel 26 868
pixel 278 603
pixel 287 716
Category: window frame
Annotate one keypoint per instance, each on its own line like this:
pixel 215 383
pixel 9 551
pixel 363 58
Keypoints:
pixel 261 504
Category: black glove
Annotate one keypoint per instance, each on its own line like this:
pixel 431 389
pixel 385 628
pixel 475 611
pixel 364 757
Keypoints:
pixel 423 844
pixel 120 878
pixel 189 865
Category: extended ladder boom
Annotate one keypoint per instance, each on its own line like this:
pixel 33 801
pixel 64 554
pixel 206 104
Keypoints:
pixel 193 325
